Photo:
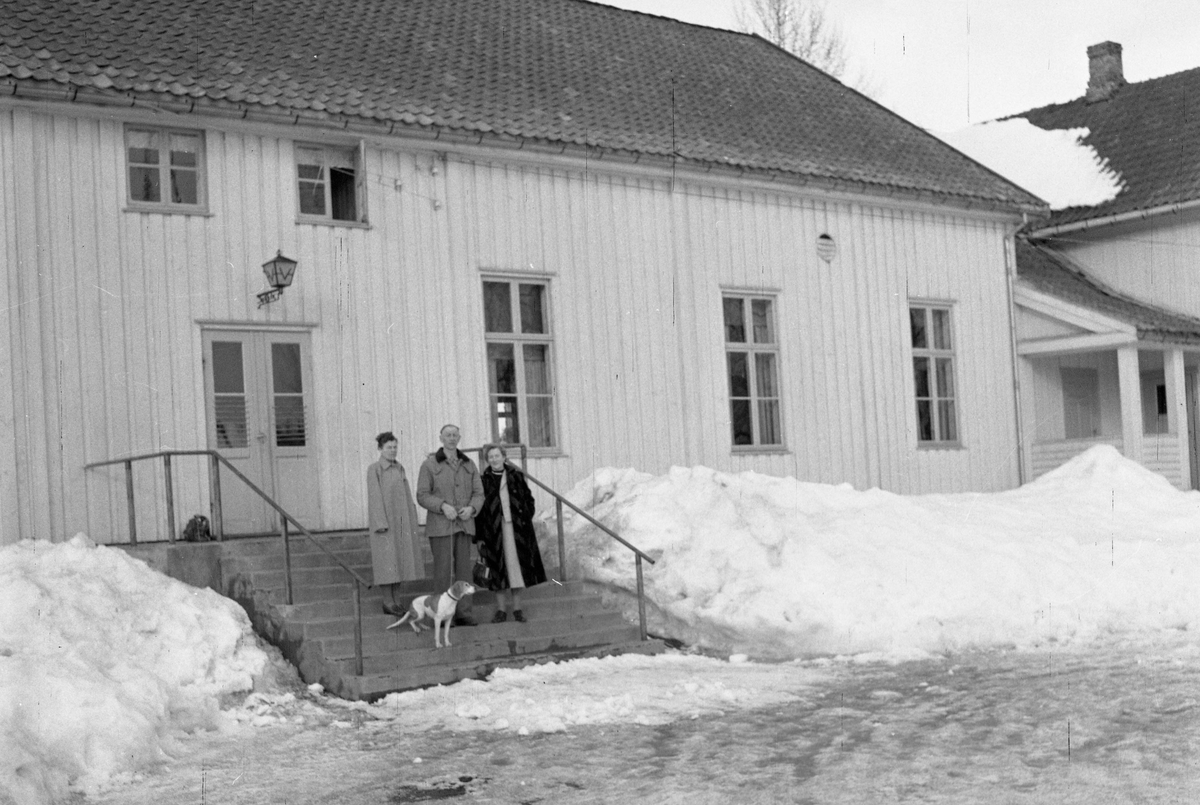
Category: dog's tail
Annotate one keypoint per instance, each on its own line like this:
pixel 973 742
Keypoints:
pixel 403 620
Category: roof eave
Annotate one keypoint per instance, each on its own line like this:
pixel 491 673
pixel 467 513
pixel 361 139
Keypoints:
pixel 1115 218
pixel 1168 337
pixel 414 128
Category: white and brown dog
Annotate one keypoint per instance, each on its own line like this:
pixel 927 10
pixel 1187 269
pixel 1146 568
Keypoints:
pixel 438 608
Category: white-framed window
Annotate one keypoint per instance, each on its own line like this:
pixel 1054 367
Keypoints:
pixel 520 361
pixel 329 179
pixel 165 169
pixel 933 373
pixel 752 364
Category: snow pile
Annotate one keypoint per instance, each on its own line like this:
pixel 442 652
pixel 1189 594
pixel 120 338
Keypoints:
pixel 101 660
pixel 1052 164
pixel 1099 548
pixel 629 689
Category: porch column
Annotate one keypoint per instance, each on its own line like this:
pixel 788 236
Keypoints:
pixel 1177 421
pixel 1131 402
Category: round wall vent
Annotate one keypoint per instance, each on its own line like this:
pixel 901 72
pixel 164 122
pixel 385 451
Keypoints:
pixel 826 248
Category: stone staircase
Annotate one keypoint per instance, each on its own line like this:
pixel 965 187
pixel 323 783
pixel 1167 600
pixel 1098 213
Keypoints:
pixel 316 632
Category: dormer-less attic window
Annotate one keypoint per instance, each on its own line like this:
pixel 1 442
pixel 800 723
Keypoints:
pixel 330 183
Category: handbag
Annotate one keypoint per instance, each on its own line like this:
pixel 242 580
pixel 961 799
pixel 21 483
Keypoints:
pixel 483 574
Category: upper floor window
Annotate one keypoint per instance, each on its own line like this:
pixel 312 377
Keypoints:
pixel 752 361
pixel 330 183
pixel 520 374
pixel 933 373
pixel 166 168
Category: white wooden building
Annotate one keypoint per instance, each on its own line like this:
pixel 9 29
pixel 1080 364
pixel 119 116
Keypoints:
pixel 1108 306
pixel 620 239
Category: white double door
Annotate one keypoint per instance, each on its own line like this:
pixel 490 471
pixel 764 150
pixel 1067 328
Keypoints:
pixel 258 390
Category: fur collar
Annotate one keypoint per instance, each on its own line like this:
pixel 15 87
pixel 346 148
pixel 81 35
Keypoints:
pixel 440 455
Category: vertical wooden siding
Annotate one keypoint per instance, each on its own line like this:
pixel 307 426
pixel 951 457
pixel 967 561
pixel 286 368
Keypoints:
pixel 1152 260
pixel 104 310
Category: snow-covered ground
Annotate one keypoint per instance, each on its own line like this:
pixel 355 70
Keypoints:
pixel 105 664
pixel 1054 165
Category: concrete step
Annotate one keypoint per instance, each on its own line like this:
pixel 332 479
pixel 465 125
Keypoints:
pixel 404 639
pixel 371 687
pixel 307 577
pixel 316 632
pixel 336 600
pixel 306 607
pixel 317 593
pixel 301 627
pixel 352 541
pixel 483 651
pixel 273 560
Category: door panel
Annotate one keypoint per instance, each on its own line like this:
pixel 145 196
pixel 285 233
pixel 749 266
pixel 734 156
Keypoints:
pixel 258 391
pixel 293 454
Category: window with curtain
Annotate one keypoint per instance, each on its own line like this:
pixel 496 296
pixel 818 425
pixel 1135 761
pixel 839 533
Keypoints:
pixel 934 374
pixel 519 358
pixel 752 364
pixel 165 169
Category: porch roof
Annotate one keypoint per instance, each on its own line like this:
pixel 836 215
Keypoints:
pixel 1051 272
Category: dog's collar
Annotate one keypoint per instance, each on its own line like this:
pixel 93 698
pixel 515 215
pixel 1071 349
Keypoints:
pixel 452 598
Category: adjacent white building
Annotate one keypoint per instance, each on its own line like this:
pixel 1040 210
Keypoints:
pixel 1108 303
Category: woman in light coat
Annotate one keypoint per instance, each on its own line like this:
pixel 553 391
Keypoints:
pixel 392 522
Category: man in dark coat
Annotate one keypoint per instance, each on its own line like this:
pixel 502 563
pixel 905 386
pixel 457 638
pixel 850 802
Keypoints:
pixel 448 487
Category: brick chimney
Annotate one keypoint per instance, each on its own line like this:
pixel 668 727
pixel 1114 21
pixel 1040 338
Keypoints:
pixel 1105 73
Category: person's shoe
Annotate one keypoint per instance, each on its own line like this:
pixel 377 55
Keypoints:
pixel 518 616
pixel 464 620
pixel 392 608
pixel 500 617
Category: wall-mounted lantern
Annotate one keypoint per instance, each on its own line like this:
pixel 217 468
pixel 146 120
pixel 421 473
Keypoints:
pixel 279 271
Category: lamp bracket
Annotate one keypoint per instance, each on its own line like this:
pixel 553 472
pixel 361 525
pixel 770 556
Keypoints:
pixel 266 297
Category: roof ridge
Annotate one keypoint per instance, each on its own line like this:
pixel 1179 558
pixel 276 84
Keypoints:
pixel 662 17
pixel 1049 107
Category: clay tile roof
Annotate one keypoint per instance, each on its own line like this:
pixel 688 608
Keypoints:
pixel 1148 131
pixel 563 72
pixel 1053 273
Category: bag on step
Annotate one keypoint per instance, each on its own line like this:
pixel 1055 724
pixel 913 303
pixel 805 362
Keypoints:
pixel 196 529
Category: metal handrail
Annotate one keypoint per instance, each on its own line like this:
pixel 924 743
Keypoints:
pixel 216 459
pixel 639 555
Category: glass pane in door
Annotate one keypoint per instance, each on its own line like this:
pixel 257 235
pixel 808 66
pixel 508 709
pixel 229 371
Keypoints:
pixel 288 395
pixel 229 394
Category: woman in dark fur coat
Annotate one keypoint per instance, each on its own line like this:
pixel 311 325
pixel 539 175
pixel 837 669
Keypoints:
pixel 504 531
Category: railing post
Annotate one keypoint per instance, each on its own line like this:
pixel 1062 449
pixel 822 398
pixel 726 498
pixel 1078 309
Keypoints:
pixel 641 596
pixel 214 487
pixel 287 557
pixel 170 497
pixel 562 541
pixel 358 634
pixel 129 499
